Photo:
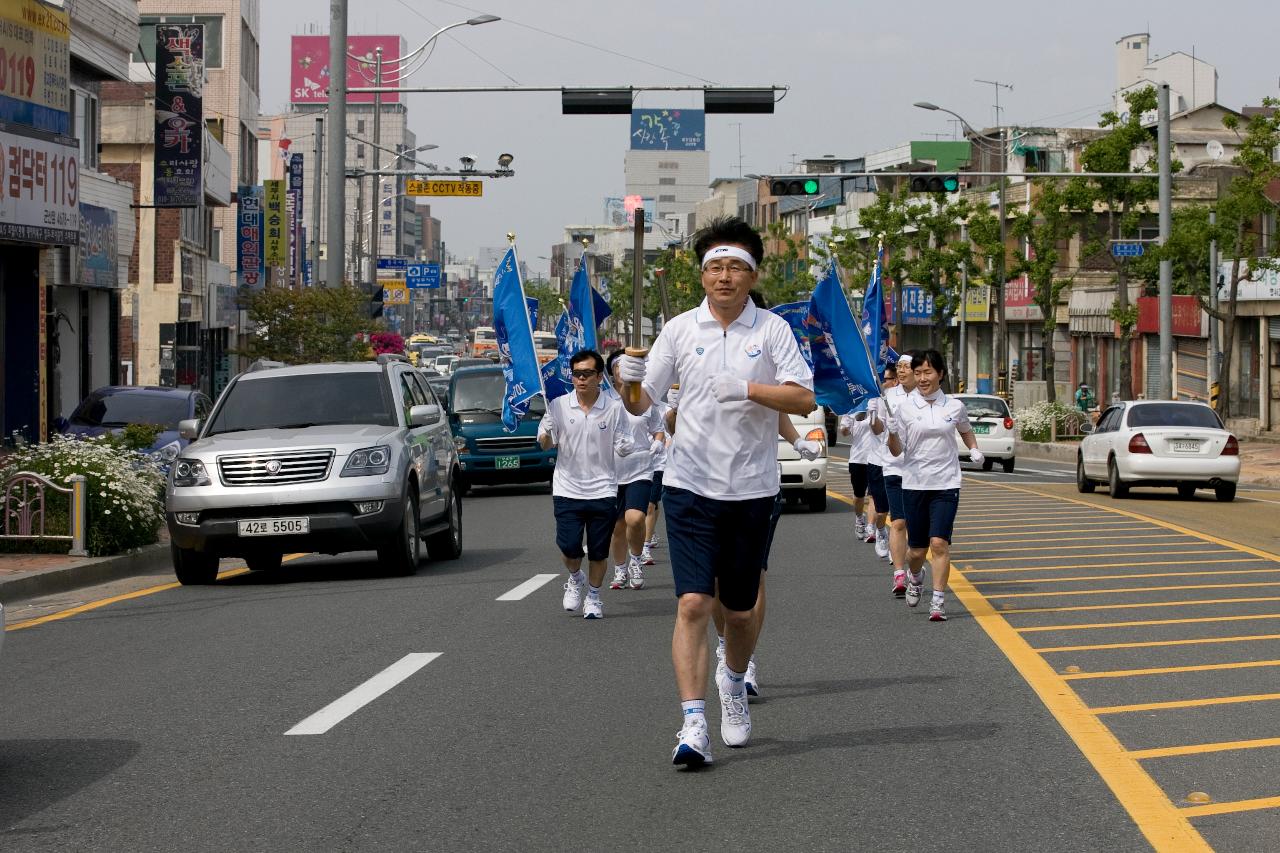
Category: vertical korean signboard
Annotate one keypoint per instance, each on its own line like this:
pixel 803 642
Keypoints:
pixel 275 240
pixel 249 239
pixel 179 114
pixel 35 65
pixel 295 220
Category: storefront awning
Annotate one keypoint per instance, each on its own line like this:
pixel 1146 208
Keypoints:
pixel 1090 312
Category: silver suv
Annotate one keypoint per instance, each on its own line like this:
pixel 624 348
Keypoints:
pixel 323 457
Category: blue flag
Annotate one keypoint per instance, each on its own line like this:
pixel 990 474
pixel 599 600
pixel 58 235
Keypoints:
pixel 576 330
pixel 533 311
pixel 515 342
pixel 873 322
pixel 833 345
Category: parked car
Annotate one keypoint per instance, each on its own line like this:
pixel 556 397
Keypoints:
pixel 487 453
pixel 1159 443
pixel 994 429
pixel 801 479
pixel 322 457
pixel 472 362
pixel 112 408
pixel 444 363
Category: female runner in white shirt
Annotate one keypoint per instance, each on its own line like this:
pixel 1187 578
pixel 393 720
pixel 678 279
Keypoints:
pixel 857 425
pixel 922 429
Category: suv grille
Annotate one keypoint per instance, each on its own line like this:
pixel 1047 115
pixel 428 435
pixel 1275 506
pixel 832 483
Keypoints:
pixel 302 466
pixel 506 445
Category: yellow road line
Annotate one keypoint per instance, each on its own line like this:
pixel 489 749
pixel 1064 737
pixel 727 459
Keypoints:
pixel 1020 549
pixel 840 497
pixel 970 569
pixel 1132 589
pixel 1044 525
pixel 1079 578
pixel 1115 554
pixel 1035 536
pixel 1151 644
pixel 1186 703
pixel 1163 825
pixel 1229 808
pixel 1144 623
pixel 1136 604
pixel 1170 670
pixel 115 599
pixel 1201 748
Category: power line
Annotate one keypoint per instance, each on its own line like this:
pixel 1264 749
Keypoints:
pixel 459 42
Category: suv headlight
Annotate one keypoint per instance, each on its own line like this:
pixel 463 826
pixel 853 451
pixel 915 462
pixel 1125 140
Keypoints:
pixel 190 472
pixel 368 461
pixel 168 453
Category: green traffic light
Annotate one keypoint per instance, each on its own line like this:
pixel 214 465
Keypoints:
pixel 951 183
pixel 811 187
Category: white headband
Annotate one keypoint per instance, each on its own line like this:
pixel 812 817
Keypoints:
pixel 905 359
pixel 728 252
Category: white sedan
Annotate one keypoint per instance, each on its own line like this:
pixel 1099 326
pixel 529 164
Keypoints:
pixel 993 428
pixel 1159 443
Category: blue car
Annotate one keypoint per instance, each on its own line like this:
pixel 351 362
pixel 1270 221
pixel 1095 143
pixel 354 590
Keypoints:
pixel 489 455
pixel 111 409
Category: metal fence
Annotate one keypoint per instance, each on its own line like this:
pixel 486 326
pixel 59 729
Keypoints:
pixel 23 511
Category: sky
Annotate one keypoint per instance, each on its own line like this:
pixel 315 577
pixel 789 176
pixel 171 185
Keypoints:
pixel 854 69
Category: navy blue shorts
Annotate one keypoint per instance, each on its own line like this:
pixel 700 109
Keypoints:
pixel 655 491
pixel 718 541
pixel 893 488
pixel 773 526
pixel 594 517
pixel 931 514
pixel 875 485
pixel 858 478
pixel 634 495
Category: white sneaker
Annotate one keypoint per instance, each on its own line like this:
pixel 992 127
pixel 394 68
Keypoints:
pixel 882 542
pixel 652 543
pixel 593 608
pixel 646 558
pixel 693 747
pixel 914 589
pixel 619 577
pixel 859 529
pixel 722 672
pixel 753 685
pixel 573 594
pixel 637 573
pixel 735 718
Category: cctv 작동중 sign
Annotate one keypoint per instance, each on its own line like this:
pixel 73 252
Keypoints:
pixel 471 189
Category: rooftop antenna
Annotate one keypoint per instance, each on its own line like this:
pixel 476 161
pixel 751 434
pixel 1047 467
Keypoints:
pixel 998 86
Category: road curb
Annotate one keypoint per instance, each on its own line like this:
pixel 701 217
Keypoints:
pixel 1066 452
pixel 151 559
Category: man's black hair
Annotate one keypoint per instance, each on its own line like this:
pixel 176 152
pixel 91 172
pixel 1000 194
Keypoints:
pixel 728 230
pixel 613 357
pixel 584 354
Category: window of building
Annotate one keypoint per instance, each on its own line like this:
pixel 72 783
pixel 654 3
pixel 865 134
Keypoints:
pixel 360 151
pixel 667 198
pixel 84 125
pixel 668 164
pixel 248 165
pixel 359 125
pixel 1045 160
pixel 249 58
pixel 215 244
pixel 217 129
pixel 212 36
pixel 666 182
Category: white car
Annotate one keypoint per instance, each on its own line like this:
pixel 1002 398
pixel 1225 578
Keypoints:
pixel 444 364
pixel 993 427
pixel 800 478
pixel 1159 443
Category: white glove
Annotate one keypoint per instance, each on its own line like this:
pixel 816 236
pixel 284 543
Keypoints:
pixel 729 388
pixel 976 456
pixel 658 446
pixel 630 368
pixel 672 397
pixel 890 423
pixel 808 450
pixel 624 445
pixel 547 427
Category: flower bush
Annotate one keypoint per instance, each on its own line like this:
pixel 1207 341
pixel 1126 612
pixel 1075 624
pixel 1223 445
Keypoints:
pixel 124 489
pixel 1035 422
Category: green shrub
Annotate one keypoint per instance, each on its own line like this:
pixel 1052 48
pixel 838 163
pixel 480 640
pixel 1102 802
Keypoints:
pixel 124 490
pixel 1035 421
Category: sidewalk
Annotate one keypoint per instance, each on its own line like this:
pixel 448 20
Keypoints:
pixel 1259 460
pixel 31 575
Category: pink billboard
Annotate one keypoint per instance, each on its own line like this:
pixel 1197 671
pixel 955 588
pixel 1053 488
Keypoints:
pixel 309 68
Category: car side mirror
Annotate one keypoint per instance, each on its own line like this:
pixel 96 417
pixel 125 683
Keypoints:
pixel 424 415
pixel 189 428
pixel 1086 427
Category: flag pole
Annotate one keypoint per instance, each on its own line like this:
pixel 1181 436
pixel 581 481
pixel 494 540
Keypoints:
pixel 528 321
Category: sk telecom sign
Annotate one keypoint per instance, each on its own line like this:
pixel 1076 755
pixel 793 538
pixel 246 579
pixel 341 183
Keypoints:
pixel 309 68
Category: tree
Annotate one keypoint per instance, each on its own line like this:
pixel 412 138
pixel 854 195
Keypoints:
pixel 314 324
pixel 1122 201
pixel 549 302
pixel 1188 251
pixel 1044 229
pixel 784 273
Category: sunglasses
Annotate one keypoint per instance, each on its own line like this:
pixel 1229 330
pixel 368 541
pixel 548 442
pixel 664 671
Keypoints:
pixel 585 374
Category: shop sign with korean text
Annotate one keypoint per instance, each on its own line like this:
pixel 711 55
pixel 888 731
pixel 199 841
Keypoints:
pixel 97 257
pixel 39 187
pixel 249 238
pixel 35 65
pixel 275 242
pixel 179 114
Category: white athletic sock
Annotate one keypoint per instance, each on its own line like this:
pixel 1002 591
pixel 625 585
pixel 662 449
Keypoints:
pixel 720 642
pixel 939 596
pixel 695 711
pixel 735 683
pixel 915 578
pixel 578 577
pixel 593 592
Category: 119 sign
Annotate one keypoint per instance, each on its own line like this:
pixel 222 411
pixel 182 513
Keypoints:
pixel 17 74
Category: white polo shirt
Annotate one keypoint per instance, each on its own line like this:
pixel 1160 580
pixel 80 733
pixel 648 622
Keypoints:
pixel 585 459
pixel 639 464
pixel 891 466
pixel 726 451
pixel 863 443
pixel 927 428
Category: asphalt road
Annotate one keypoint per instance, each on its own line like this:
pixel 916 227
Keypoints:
pixel 159 722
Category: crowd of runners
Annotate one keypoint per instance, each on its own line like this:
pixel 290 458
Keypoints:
pixel 693 428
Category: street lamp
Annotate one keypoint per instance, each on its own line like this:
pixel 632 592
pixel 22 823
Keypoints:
pixel 1000 344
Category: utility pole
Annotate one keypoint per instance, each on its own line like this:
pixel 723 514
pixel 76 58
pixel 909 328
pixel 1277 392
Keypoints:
pixel 1213 307
pixel 1166 226
pixel 964 310
pixel 375 196
pixel 335 236
pixel 317 197
pixel 1001 335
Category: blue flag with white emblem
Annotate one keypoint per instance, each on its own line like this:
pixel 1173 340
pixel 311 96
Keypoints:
pixel 873 325
pixel 832 343
pixel 514 332
pixel 576 330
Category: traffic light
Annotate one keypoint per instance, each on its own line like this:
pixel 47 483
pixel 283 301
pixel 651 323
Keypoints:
pixel 935 184
pixel 376 294
pixel 793 186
